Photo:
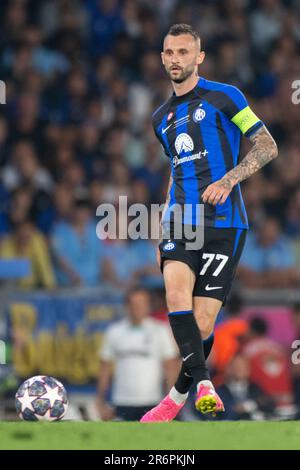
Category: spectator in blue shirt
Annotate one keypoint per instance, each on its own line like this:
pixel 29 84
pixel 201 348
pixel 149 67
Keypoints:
pixel 77 250
pixel 129 262
pixel 268 260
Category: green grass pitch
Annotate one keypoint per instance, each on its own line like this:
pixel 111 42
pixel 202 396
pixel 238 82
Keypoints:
pixel 133 436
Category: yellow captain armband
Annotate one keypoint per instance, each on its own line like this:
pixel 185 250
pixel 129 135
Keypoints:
pixel 246 119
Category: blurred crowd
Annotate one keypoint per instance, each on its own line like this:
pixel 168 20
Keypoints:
pixel 82 79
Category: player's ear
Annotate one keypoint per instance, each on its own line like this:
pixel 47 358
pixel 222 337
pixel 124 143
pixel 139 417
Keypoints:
pixel 201 57
pixel 162 57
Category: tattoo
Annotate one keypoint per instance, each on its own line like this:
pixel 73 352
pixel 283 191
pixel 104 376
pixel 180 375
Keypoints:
pixel 263 151
pixel 226 183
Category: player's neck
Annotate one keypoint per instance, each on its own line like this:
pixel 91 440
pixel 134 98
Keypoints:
pixel 186 86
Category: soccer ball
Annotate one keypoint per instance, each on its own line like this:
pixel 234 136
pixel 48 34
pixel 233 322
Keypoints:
pixel 41 398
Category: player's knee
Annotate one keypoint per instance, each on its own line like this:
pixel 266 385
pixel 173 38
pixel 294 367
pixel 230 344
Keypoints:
pixel 205 333
pixel 178 299
pixel 206 326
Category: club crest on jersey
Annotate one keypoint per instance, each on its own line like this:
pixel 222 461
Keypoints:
pixel 170 115
pixel 199 114
pixel 184 143
pixel 170 246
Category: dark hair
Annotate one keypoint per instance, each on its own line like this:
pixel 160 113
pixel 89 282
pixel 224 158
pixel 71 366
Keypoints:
pixel 134 290
pixel 16 226
pixel 82 204
pixel 259 326
pixel 234 304
pixel 296 307
pixel 182 28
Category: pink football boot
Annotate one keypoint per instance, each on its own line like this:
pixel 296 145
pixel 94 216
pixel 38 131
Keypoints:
pixel 164 412
pixel 208 401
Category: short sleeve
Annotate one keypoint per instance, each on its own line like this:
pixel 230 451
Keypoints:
pixel 239 112
pixel 107 351
pixel 159 139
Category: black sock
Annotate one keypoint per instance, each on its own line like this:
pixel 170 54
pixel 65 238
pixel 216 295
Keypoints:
pixel 188 338
pixel 185 379
pixel 208 344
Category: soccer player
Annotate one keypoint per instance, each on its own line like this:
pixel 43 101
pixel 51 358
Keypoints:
pixel 200 128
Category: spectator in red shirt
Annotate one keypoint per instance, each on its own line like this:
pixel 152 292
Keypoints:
pixel 270 365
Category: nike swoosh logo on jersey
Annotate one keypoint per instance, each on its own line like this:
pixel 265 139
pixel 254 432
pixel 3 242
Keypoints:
pixel 166 128
pixel 212 288
pixel 186 357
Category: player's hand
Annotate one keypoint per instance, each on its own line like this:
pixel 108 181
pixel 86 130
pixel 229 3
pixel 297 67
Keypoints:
pixel 217 192
pixel 106 412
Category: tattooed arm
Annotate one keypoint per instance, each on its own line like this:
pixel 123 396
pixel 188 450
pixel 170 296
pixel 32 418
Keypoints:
pixel 263 151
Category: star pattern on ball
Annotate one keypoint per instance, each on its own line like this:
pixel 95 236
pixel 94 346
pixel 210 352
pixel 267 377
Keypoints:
pixel 52 395
pixel 26 401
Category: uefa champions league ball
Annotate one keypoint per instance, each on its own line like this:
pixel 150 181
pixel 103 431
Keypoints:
pixel 41 398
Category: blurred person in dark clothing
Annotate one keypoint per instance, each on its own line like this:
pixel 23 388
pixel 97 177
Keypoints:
pixel 3 140
pixel 60 210
pixel 292 225
pixel 243 398
pixel 73 175
pixel 24 167
pixel 26 122
pixel 106 22
pixel 90 152
pixel 24 174
pixel 254 191
pixel 16 210
pixel 296 319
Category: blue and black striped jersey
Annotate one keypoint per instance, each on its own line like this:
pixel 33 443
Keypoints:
pixel 200 133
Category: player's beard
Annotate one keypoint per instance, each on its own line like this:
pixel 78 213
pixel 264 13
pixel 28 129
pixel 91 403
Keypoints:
pixel 185 73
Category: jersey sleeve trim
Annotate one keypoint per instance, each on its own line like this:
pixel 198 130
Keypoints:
pixel 247 121
pixel 254 128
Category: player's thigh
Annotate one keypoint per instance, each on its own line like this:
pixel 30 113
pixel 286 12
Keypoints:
pixel 206 310
pixel 179 281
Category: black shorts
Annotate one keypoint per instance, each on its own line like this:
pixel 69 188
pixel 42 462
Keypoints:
pixel 214 264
